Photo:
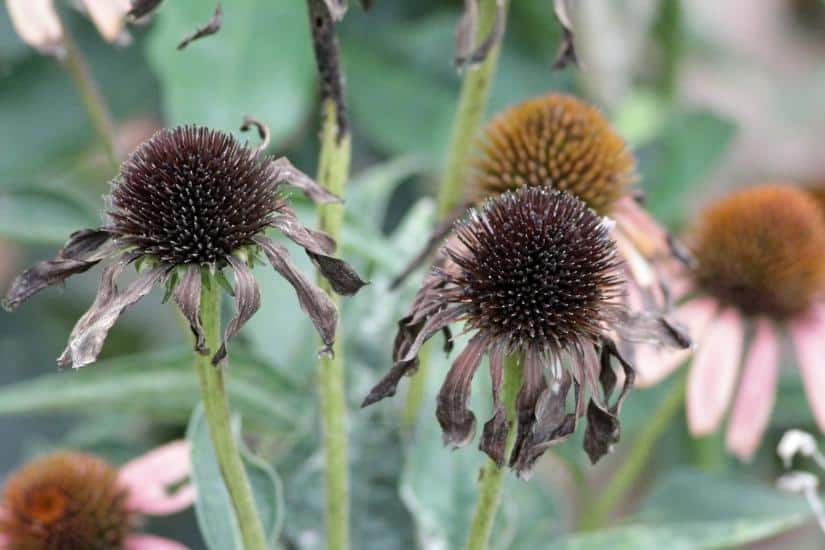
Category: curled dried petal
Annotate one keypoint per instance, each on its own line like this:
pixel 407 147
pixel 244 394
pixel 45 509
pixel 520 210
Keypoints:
pixel 83 251
pixel 494 436
pixel 247 302
pixel 457 422
pixel 287 173
pixel 210 28
pixel 188 298
pixel 314 302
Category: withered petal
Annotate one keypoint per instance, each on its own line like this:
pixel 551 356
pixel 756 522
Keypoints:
pixel 654 328
pixel 90 331
pixel 188 298
pixel 337 8
pixel 314 301
pixel 494 435
pixel 343 279
pixel 432 325
pixel 141 8
pixel 567 50
pixel 465 54
pixel 314 241
pixel 247 302
pixel 602 432
pixel 532 388
pixel 82 251
pixel 287 173
pixel 457 422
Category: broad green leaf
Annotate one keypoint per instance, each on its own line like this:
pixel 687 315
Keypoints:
pixel 160 384
pixel 260 64
pixel 213 507
pixel 675 165
pixel 42 215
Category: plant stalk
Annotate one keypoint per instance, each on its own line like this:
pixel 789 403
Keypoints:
pixel 491 475
pixel 475 90
pixel 216 408
pixel 628 473
pixel 96 107
pixel 333 170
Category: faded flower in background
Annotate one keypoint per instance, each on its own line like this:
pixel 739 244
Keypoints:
pixel 187 204
pixel 795 442
pixel 75 500
pixel 759 264
pixel 534 274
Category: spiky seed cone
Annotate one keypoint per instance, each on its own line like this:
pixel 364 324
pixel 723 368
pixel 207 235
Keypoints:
pixel 538 268
pixel 762 250
pixel 192 195
pixel 555 141
pixel 66 500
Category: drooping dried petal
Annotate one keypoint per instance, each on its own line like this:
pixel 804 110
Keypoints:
pixel 90 331
pixel 314 302
pixel 567 49
pixel 247 302
pixel 494 436
pixel 82 252
pixel 210 28
pixel 287 173
pixel 142 8
pixel 188 298
pixel 466 51
pixel 457 422
pixel 532 388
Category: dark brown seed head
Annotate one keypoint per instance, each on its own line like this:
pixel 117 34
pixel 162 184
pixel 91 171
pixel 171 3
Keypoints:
pixel 66 500
pixel 555 141
pixel 537 268
pixel 192 195
pixel 762 250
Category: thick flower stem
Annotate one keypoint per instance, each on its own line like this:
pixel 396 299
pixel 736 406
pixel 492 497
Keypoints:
pixel 491 475
pixel 332 174
pixel 637 459
pixel 216 408
pixel 96 107
pixel 475 90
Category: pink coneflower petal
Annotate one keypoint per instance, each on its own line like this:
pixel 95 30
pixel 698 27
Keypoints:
pixel 151 542
pixel 149 476
pixel 808 333
pixel 654 364
pixel 712 375
pixel 757 393
pixel 647 235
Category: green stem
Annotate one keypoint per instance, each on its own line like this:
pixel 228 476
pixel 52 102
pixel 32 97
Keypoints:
pixel 96 107
pixel 333 168
pixel 475 89
pixel 491 475
pixel 216 407
pixel 471 103
pixel 637 459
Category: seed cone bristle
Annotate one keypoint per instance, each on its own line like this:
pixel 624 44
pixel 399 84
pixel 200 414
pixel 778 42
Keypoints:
pixel 538 269
pixel 66 500
pixel 192 195
pixel 762 250
pixel 555 141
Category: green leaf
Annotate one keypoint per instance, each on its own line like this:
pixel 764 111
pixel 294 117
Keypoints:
pixel 260 64
pixel 675 165
pixel 213 508
pixel 162 385
pixel 41 215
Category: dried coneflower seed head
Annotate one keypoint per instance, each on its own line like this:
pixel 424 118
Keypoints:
pixel 538 269
pixel 762 250
pixel 555 141
pixel 66 500
pixel 192 195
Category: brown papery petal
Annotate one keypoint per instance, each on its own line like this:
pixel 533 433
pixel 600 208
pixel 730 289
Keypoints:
pixel 531 389
pixel 314 301
pixel 188 298
pixel 287 173
pixel 83 251
pixel 494 436
pixel 458 422
pixel 89 333
pixel 314 241
pixel 247 302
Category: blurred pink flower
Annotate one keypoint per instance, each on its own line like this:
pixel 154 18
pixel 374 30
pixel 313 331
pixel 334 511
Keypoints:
pixel 69 499
pixel 758 271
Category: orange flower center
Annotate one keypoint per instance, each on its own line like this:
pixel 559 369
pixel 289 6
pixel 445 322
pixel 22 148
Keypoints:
pixel 762 250
pixel 555 141
pixel 46 504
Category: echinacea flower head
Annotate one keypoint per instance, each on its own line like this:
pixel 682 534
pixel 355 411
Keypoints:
pixel 759 264
pixel 76 500
pixel 188 204
pixel 533 273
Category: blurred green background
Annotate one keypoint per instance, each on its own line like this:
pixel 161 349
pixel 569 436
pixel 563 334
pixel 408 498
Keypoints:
pixel 711 95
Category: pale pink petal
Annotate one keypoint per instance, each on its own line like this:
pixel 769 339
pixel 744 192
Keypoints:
pixel 36 22
pixel 712 375
pixel 149 476
pixel 654 363
pixel 151 542
pixel 645 233
pixel 109 16
pixel 757 393
pixel 808 333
